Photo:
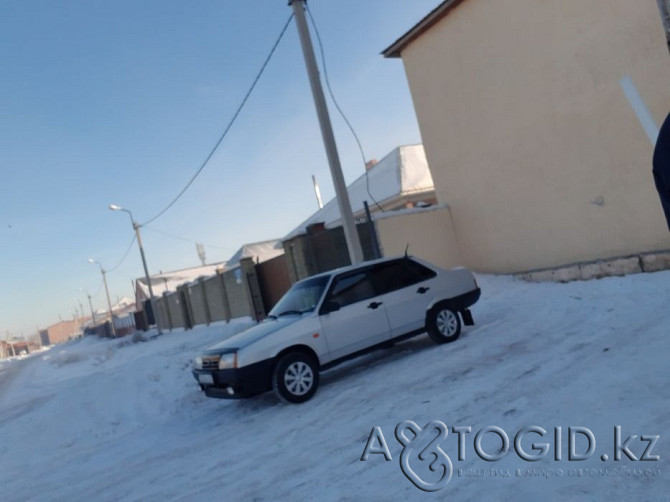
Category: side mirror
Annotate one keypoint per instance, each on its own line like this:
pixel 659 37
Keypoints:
pixel 329 307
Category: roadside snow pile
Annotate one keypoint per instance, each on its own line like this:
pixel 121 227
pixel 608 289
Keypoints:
pixel 104 420
pixel 63 357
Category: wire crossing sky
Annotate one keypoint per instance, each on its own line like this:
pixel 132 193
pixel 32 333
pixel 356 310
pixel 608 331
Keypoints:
pixel 228 127
pixel 120 102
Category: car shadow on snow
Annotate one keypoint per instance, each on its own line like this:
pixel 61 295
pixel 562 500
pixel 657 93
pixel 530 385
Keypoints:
pixel 377 359
pixel 387 356
pixel 257 404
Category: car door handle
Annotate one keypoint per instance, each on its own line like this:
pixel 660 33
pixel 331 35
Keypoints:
pixel 374 305
pixel 422 290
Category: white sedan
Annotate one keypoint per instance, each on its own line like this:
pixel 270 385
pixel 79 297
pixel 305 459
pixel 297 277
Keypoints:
pixel 331 317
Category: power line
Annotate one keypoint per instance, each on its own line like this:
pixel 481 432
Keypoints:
pixel 97 290
pixel 230 124
pixel 337 106
pixel 125 255
pixel 185 239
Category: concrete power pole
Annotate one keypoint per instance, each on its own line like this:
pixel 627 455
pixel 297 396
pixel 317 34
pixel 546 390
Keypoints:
pixel 664 9
pixel 138 236
pixel 109 303
pixel 350 232
pixel 90 304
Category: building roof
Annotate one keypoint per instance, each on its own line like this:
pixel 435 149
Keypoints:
pixel 169 281
pixel 123 306
pixel 396 48
pixel 402 173
pixel 259 251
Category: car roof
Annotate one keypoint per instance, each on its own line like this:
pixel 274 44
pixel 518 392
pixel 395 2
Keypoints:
pixel 349 268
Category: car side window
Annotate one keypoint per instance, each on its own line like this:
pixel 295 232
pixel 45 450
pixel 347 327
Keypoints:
pixel 352 288
pixel 399 274
pixel 422 272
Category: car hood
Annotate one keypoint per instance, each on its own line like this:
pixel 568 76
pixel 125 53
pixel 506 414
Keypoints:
pixel 253 334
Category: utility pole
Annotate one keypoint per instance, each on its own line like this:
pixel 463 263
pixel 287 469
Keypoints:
pixel 109 303
pixel 664 9
pixel 90 304
pixel 152 299
pixel 348 224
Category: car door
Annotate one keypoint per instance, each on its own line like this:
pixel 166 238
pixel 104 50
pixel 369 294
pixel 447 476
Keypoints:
pixel 360 319
pixel 407 289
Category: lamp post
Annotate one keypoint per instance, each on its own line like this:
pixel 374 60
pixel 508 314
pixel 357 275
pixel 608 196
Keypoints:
pixel 109 303
pixel 136 227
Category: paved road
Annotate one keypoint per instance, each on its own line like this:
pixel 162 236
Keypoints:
pixel 11 369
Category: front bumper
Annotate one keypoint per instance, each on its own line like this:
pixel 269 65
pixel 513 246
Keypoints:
pixel 235 383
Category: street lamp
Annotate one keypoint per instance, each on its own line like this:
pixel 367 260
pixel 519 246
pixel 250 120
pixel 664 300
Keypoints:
pixel 136 227
pixel 109 303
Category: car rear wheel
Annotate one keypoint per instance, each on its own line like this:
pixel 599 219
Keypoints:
pixel 296 377
pixel 443 324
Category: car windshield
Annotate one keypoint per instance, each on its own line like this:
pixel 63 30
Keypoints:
pixel 302 297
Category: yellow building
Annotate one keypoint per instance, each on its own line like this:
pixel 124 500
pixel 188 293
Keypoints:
pixel 538 119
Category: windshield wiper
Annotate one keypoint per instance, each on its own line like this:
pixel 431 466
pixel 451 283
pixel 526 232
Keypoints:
pixel 291 312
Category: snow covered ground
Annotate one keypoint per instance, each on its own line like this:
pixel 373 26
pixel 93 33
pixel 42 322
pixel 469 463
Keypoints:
pixel 111 420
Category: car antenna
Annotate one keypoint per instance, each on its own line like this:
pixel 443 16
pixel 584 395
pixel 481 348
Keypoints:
pixel 406 249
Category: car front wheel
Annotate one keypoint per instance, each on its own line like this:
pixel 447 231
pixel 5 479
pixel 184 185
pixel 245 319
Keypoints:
pixel 295 378
pixel 443 324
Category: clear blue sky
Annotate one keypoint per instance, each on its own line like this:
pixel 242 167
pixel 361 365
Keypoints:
pixel 120 102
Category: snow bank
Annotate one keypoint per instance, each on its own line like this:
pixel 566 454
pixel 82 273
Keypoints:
pixel 107 420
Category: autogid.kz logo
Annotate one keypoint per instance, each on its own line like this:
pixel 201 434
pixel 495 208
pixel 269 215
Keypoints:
pixel 425 463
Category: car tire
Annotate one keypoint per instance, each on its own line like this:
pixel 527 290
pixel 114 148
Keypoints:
pixel 295 377
pixel 443 324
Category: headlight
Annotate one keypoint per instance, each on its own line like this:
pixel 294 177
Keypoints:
pixel 228 361
pixel 197 363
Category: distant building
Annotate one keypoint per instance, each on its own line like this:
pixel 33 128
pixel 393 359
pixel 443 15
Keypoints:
pixel 398 184
pixel 400 180
pixel 259 252
pixel 20 347
pixel 5 349
pixel 168 281
pixel 60 332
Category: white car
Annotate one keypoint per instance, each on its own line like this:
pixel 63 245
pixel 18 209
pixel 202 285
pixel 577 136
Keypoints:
pixel 331 317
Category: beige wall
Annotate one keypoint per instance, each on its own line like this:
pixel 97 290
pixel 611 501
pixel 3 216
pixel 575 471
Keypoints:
pixel 529 136
pixel 429 233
